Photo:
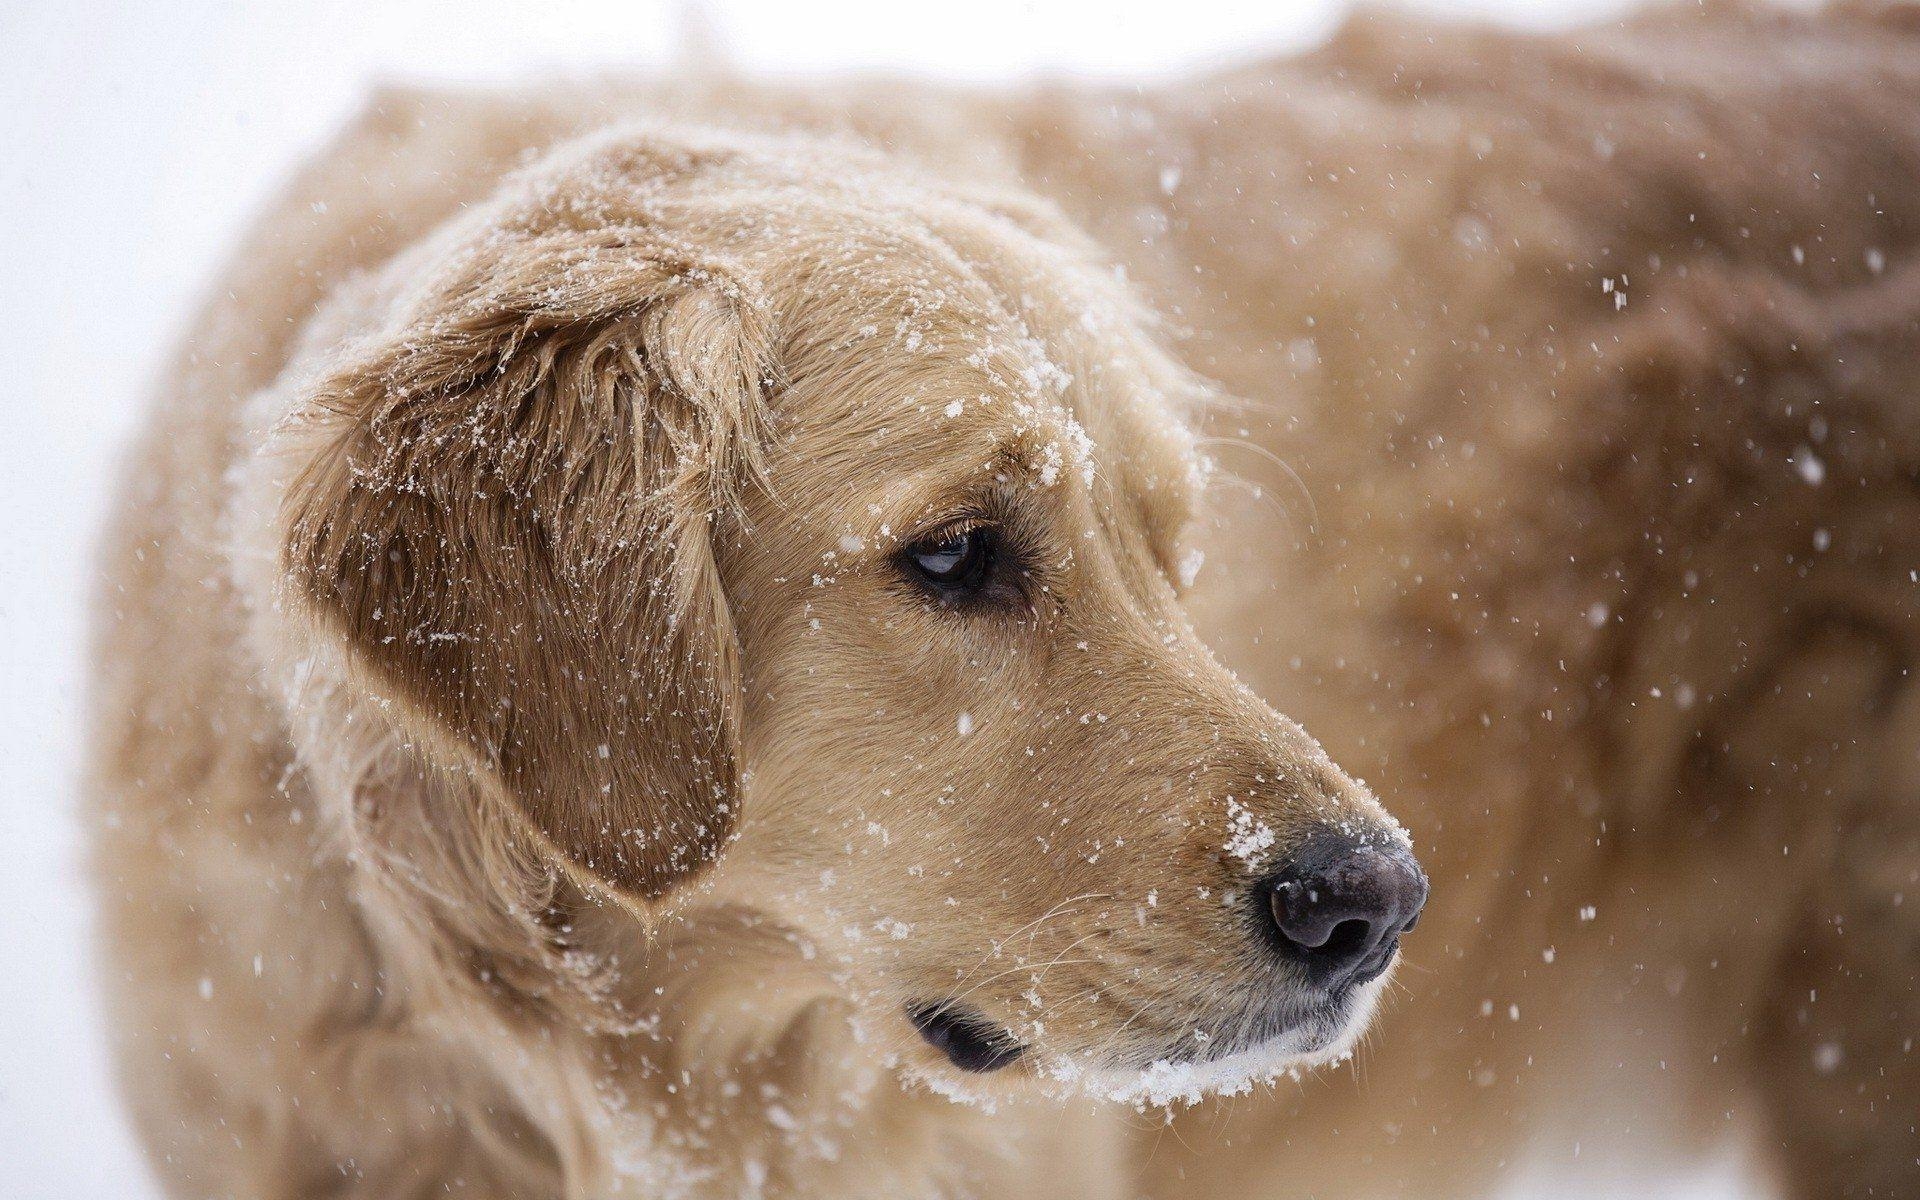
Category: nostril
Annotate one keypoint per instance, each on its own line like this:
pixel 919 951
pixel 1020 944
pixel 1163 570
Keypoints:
pixel 1348 937
pixel 1316 924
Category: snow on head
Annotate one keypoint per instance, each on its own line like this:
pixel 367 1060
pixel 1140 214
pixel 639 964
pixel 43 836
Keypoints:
pixel 1045 378
pixel 1037 388
pixel 1055 440
pixel 1050 462
pixel 1080 450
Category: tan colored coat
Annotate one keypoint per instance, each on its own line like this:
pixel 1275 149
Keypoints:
pixel 1579 518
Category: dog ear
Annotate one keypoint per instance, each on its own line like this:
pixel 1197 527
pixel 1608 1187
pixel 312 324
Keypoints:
pixel 508 524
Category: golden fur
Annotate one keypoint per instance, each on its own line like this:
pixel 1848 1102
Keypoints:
pixel 1594 355
pixel 578 793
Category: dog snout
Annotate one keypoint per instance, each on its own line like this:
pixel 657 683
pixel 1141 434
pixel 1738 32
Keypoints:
pixel 1339 904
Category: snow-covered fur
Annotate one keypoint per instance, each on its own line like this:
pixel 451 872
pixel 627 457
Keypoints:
pixel 1573 505
pixel 530 769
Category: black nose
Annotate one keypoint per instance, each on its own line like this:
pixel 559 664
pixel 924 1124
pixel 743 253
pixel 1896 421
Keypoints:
pixel 1340 905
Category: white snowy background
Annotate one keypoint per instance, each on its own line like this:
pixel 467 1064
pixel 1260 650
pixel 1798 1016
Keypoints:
pixel 135 138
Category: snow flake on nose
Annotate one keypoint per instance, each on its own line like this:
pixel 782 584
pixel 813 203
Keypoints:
pixel 964 724
pixel 1248 837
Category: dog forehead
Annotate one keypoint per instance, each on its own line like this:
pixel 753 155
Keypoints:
pixel 898 421
pixel 891 331
pixel 919 355
pixel 916 426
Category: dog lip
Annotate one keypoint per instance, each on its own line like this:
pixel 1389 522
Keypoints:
pixel 1311 1027
pixel 970 1041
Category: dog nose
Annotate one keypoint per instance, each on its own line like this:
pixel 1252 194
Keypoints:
pixel 1340 905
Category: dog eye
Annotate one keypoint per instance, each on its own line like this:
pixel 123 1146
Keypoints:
pixel 955 562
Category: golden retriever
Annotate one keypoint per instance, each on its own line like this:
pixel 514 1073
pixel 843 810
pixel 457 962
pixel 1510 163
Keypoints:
pixel 599 677
pixel 1574 506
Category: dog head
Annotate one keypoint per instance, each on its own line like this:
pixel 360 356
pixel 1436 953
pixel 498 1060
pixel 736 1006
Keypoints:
pixel 731 522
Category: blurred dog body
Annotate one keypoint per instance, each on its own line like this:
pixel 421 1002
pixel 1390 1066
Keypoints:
pixel 1590 363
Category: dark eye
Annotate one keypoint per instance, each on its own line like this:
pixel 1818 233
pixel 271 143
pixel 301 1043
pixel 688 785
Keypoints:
pixel 957 563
